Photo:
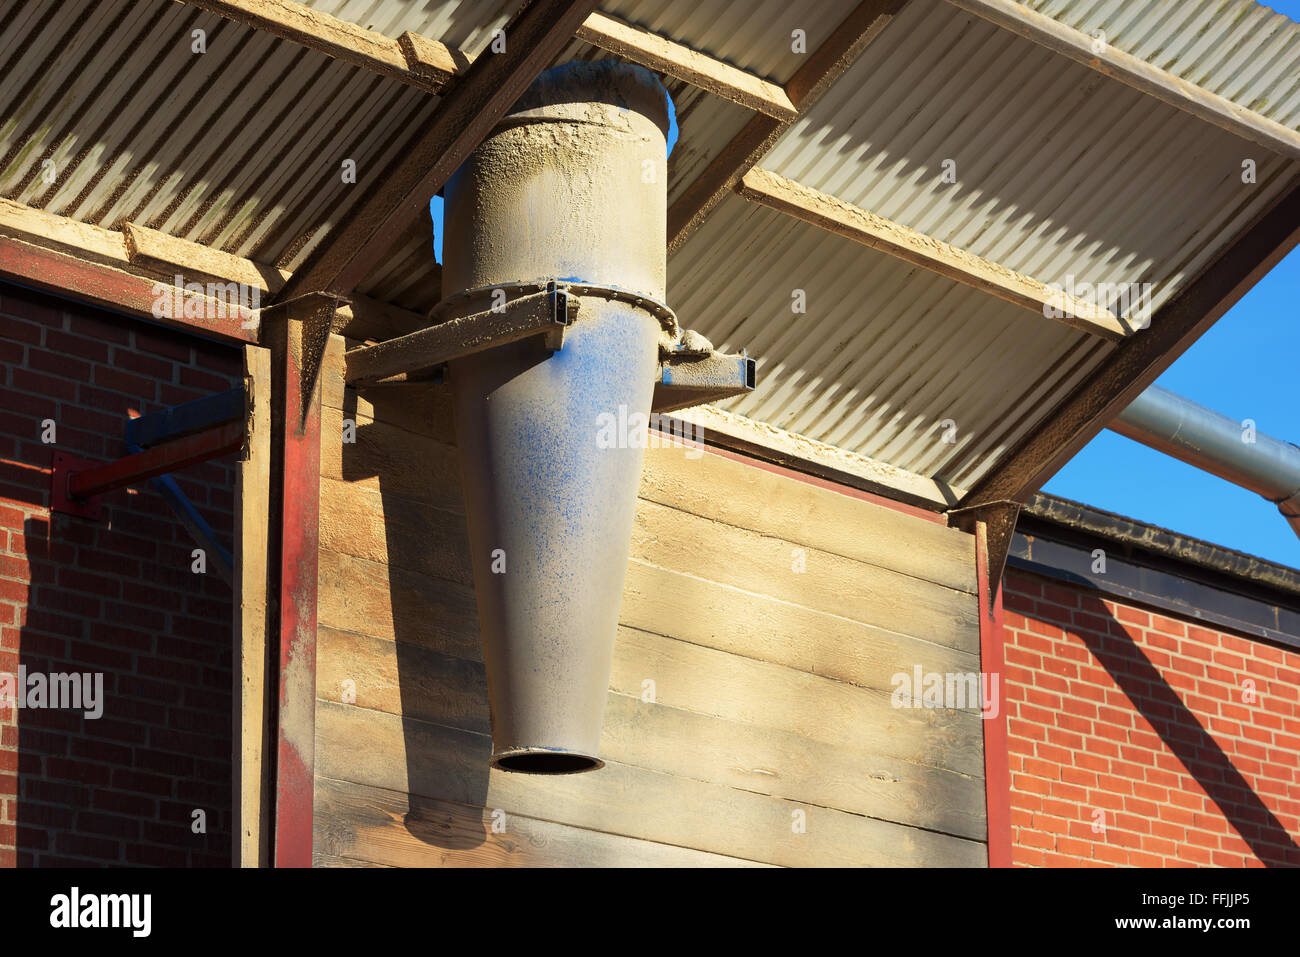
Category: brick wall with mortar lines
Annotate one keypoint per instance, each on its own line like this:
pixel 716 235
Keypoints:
pixel 115 596
pixel 1143 724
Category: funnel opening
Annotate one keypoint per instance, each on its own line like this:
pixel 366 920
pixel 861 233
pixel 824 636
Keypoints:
pixel 547 762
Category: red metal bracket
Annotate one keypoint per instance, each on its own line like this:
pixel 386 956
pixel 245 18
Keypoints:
pixel 77 485
pixel 66 466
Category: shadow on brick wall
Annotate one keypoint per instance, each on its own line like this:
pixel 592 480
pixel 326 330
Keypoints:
pixel 114 598
pixel 1182 732
pixel 120 788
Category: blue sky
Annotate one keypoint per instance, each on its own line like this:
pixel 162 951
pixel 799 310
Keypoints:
pixel 1246 367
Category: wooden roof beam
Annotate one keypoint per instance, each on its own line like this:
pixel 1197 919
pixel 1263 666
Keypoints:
pixel 468 111
pixel 1137 73
pixel 411 59
pixel 92 264
pixel 818 73
pixel 852 222
pixel 1140 359
pixel 123 270
pixel 690 66
pixel 361 318
pixel 429 65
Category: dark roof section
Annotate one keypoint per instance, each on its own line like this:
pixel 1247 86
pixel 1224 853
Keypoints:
pixel 1085 521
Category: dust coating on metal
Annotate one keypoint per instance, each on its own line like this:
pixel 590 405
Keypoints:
pixel 570 187
pixel 527 316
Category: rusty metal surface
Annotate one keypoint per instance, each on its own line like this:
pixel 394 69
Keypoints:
pixel 688 380
pixel 296 333
pixel 520 318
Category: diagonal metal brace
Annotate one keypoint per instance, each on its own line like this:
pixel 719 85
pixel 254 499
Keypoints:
pixel 210 411
pixel 691 379
pixel 397 360
pixel 997 521
pixel 189 516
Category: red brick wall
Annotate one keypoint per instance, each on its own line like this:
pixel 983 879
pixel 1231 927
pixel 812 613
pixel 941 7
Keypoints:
pixel 1139 722
pixel 115 596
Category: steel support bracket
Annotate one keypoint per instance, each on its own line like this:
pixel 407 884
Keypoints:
pixel 76 485
pixel 408 358
pixel 692 379
pixel 999 521
pixel 176 421
pixel 61 500
pixel 302 326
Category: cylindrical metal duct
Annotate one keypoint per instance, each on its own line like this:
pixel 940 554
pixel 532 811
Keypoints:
pixel 1216 444
pixel 569 187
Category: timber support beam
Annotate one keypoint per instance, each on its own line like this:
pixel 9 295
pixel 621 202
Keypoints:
pixel 760 134
pixel 852 222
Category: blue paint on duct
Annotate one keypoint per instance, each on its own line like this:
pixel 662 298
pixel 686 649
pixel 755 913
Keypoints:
pixel 551 443
pixel 435 210
pixel 672 124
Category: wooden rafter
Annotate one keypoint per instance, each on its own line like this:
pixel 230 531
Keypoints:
pixel 844 219
pixel 690 66
pixel 430 65
pixel 827 63
pixel 122 270
pixel 414 60
pixel 361 318
pixel 764 441
pixel 1140 359
pixel 1137 73
pixel 92 264
pixel 466 114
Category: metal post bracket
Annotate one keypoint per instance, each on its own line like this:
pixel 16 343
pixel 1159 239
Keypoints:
pixel 547 313
pixel 64 467
pixel 691 379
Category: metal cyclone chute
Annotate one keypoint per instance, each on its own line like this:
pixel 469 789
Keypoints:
pixel 553 326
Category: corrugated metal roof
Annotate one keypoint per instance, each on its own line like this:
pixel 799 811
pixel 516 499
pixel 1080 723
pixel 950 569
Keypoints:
pixel 1239 49
pixel 888 357
pixel 755 35
pixel 466 25
pixel 240 148
pixel 1060 172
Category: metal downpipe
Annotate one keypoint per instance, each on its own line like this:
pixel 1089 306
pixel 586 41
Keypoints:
pixel 1214 443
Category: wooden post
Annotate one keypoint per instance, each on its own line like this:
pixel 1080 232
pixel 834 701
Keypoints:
pixel 253 704
pixel 994 526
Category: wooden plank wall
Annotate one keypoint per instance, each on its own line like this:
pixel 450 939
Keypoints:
pixel 770 739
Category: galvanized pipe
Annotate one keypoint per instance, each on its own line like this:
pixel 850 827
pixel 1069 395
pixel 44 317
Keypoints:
pixel 569 187
pixel 1216 444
